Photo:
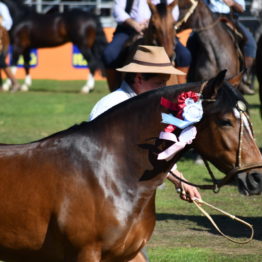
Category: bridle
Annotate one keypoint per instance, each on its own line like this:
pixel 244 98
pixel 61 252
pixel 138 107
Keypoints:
pixel 239 167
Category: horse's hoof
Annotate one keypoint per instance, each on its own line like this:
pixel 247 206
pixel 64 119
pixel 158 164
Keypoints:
pixel 85 90
pixel 24 88
pixel 5 87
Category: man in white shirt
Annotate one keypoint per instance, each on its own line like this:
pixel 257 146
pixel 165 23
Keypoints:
pixel 149 69
pixel 6 19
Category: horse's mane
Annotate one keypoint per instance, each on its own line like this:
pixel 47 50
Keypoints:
pixel 162 10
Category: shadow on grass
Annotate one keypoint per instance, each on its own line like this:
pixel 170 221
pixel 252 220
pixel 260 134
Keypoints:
pixel 228 226
pixel 254 106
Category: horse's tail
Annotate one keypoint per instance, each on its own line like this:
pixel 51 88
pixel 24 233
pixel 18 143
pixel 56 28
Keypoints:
pixel 99 45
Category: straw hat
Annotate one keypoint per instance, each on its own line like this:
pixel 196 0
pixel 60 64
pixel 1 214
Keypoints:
pixel 150 59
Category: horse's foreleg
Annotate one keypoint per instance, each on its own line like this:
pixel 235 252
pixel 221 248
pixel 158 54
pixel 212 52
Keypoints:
pixel 8 82
pixel 13 66
pixel 90 83
pixel 28 80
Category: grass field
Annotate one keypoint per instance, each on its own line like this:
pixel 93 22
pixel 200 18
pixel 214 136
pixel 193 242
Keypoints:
pixel 182 233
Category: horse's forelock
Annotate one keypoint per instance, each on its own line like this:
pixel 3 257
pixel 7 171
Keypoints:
pixel 162 9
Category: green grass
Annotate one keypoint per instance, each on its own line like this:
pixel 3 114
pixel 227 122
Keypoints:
pixel 181 233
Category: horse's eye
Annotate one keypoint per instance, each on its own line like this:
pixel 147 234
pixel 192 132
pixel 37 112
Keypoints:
pixel 224 122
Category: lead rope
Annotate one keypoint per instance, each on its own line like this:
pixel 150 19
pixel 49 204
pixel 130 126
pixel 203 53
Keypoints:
pixel 198 203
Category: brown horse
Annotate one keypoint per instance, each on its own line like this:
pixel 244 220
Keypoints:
pixel 160 32
pixel 214 47
pixel 87 194
pixel 259 70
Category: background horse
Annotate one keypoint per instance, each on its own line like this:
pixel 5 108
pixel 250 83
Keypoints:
pixel 256 9
pixel 4 46
pixel 211 38
pixel 160 32
pixel 94 184
pixel 34 30
pixel 259 70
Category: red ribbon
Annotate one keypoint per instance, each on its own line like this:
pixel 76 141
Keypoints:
pixel 168 104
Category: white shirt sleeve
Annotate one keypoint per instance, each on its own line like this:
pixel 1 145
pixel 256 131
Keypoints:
pixel 119 12
pixel 7 19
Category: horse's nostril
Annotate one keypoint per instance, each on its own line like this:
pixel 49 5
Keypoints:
pixel 250 184
pixel 257 177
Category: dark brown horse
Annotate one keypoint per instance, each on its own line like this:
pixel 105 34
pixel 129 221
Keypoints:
pixel 34 30
pixel 160 32
pixel 87 194
pixel 214 47
pixel 259 70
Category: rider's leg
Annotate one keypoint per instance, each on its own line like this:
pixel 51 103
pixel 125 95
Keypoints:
pixel 111 57
pixel 182 61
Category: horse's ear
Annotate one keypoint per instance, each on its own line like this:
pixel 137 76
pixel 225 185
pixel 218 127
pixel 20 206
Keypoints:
pixel 236 80
pixel 152 7
pixel 213 85
pixel 173 4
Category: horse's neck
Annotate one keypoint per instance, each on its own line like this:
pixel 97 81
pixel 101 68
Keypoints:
pixel 133 132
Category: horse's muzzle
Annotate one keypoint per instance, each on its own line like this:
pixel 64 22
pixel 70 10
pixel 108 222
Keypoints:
pixel 249 183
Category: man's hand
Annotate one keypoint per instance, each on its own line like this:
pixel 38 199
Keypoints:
pixel 139 27
pixel 187 192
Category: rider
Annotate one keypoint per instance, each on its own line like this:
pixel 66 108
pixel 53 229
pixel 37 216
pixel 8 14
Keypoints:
pixel 6 22
pixel 232 8
pixel 132 18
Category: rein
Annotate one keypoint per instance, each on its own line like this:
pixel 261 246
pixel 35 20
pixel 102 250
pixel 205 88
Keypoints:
pixel 188 14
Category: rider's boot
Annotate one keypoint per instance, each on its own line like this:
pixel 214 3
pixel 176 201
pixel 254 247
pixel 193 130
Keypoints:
pixel 245 84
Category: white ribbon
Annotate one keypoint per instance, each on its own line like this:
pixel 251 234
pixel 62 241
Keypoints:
pixel 186 137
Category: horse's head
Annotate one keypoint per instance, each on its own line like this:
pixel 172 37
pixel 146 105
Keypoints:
pixel 161 26
pixel 225 136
